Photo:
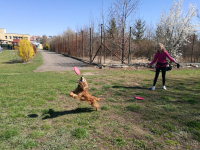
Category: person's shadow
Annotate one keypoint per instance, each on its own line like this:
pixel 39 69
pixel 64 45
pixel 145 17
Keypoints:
pixel 53 114
pixel 135 87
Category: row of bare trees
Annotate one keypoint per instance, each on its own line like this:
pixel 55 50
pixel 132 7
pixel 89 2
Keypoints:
pixel 116 40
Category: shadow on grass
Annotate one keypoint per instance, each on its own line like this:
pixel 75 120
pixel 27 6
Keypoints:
pixel 13 62
pixel 53 114
pixel 135 87
pixel 33 115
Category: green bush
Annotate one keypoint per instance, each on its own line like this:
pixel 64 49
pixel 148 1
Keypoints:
pixel 46 46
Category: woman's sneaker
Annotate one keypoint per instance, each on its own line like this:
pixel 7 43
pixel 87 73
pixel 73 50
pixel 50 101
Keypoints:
pixel 153 88
pixel 164 88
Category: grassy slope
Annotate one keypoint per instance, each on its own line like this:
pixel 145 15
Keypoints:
pixel 36 111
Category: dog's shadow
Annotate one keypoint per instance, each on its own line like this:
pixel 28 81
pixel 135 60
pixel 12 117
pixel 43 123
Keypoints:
pixel 53 114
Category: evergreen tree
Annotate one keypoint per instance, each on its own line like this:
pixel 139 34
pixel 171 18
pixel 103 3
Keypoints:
pixel 138 30
pixel 112 28
pixel 159 38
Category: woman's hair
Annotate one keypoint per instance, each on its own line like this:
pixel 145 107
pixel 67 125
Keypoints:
pixel 162 47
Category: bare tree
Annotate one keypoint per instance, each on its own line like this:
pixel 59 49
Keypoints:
pixel 149 32
pixel 122 11
pixel 44 40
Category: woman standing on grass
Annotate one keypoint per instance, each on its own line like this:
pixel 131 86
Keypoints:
pixel 160 57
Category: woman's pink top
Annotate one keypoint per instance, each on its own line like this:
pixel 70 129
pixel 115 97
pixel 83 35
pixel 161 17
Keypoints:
pixel 161 58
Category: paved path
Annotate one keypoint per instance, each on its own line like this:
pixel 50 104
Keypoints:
pixel 53 61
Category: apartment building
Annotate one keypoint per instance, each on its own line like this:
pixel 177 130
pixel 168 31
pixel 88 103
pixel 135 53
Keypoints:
pixel 11 38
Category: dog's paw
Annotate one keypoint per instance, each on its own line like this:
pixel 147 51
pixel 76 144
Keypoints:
pixel 71 94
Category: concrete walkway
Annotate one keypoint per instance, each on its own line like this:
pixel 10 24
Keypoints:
pixel 53 61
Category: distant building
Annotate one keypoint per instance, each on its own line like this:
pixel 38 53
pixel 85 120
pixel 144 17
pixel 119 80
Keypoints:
pixel 11 38
pixel 36 39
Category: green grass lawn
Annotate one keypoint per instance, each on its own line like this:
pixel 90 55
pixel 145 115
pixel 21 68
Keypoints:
pixel 36 111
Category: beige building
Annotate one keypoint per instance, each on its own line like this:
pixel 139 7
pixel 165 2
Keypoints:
pixel 11 38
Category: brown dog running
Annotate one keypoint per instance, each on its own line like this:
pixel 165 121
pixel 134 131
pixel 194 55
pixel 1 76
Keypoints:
pixel 81 94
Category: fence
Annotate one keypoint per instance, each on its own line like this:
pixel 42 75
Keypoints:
pixel 7 46
pixel 100 48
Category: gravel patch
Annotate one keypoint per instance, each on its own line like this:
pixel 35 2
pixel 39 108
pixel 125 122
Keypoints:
pixel 53 61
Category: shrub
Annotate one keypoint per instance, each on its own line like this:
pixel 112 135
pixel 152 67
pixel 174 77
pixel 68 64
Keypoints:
pixel 16 47
pixel 26 51
pixel 46 46
pixel 34 48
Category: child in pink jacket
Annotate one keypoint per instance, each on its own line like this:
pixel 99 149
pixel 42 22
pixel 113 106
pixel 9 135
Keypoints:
pixel 160 57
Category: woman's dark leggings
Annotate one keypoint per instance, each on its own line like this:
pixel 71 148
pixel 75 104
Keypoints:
pixel 157 74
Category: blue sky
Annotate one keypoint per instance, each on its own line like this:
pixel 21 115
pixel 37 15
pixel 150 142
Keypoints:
pixel 52 17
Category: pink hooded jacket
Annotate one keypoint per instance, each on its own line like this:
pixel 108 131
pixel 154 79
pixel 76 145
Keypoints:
pixel 161 58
